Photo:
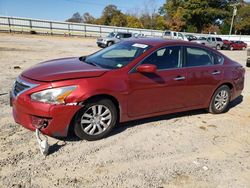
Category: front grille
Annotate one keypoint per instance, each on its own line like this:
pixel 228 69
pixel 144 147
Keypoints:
pixel 19 87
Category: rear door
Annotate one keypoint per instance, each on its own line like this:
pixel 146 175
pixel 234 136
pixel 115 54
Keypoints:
pixel 160 91
pixel 204 73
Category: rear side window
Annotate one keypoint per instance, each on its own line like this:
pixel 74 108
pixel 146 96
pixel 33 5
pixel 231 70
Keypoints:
pixel 198 57
pixel 127 35
pixel 218 59
pixel 218 39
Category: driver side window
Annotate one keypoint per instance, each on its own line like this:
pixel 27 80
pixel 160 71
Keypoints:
pixel 165 58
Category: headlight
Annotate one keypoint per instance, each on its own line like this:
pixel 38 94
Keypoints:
pixel 53 96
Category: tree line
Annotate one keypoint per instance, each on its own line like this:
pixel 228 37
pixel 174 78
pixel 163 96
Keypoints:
pixel 178 15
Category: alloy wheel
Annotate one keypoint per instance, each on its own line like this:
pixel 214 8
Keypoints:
pixel 221 100
pixel 96 119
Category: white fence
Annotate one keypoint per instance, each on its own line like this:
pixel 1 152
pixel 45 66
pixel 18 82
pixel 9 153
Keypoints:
pixel 16 24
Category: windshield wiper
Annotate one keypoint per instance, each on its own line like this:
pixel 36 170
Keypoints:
pixel 83 59
pixel 91 63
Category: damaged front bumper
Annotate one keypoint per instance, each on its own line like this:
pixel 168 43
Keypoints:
pixel 54 119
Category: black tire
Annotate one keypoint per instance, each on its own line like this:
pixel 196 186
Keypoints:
pixel 213 107
pixel 218 47
pixel 231 48
pixel 109 44
pixel 79 128
pixel 248 63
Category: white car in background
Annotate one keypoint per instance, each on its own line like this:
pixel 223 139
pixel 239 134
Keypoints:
pixel 174 35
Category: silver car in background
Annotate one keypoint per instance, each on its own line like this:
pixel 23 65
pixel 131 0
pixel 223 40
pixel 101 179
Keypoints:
pixel 213 42
pixel 112 38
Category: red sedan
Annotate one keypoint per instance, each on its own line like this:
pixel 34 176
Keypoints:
pixel 130 80
pixel 238 45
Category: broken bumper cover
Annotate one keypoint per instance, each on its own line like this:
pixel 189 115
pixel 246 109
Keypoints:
pixel 31 115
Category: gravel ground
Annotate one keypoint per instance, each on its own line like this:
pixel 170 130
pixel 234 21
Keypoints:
pixel 191 149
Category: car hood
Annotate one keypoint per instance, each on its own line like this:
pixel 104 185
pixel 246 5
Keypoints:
pixel 62 69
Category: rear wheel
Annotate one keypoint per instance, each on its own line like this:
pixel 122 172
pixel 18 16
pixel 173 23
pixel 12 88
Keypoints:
pixel 243 48
pixel 95 120
pixel 220 100
pixel 231 48
pixel 218 47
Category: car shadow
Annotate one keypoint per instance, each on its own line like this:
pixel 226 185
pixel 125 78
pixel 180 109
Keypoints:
pixel 235 102
pixel 55 147
pixel 123 126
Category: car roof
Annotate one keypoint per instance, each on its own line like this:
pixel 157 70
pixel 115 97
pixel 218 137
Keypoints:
pixel 158 41
pixel 122 32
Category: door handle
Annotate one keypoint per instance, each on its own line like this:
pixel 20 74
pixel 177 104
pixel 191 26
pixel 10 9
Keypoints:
pixel 216 72
pixel 178 78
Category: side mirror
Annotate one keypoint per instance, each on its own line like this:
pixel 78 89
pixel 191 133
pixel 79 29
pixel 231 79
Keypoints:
pixel 146 68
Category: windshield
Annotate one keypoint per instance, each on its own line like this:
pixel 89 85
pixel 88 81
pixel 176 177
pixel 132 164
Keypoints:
pixel 167 33
pixel 111 35
pixel 202 38
pixel 117 55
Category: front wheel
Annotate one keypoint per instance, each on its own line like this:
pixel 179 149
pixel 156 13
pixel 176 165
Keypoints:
pixel 109 44
pixel 95 120
pixel 220 100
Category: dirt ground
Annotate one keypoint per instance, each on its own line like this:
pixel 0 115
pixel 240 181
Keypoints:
pixel 191 149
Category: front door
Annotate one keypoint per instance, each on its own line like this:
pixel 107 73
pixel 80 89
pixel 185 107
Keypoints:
pixel 161 91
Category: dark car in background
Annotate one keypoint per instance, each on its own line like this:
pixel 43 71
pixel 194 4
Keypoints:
pixel 130 80
pixel 191 37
